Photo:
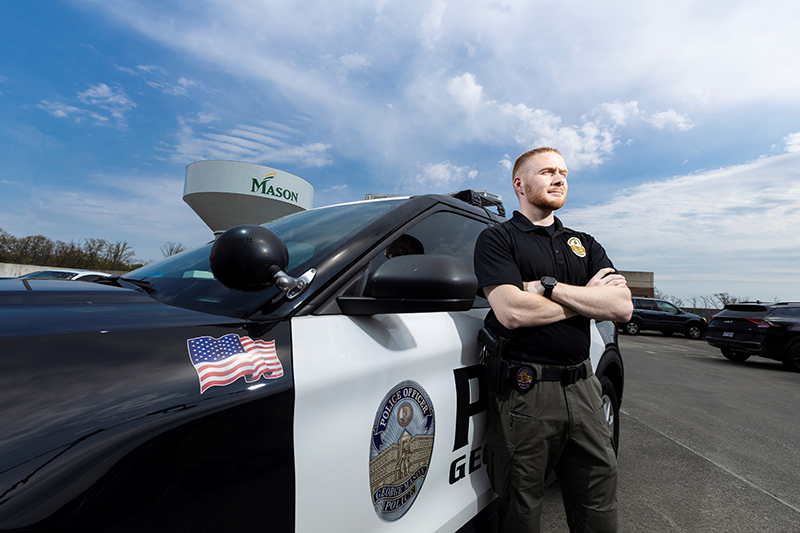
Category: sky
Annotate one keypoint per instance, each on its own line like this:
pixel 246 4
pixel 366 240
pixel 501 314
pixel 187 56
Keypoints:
pixel 679 121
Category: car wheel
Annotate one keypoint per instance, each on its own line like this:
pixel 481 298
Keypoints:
pixel 694 331
pixel 667 333
pixel 734 356
pixel 611 410
pixel 632 328
pixel 792 358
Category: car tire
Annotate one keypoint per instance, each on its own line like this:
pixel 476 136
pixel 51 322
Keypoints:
pixel 611 410
pixel 667 333
pixel 693 331
pixel 737 357
pixel 632 328
pixel 792 358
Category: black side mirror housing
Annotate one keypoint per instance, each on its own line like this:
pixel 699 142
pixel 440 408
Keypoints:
pixel 247 258
pixel 415 284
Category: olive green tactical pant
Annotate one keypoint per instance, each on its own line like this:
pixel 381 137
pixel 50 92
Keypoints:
pixel 552 428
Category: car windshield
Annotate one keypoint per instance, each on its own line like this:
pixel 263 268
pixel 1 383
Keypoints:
pixel 186 280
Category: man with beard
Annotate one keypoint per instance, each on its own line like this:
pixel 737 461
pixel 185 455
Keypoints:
pixel 545 283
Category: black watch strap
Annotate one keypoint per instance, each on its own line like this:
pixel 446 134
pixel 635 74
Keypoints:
pixel 549 283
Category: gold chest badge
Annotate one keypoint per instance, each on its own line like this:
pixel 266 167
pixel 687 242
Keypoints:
pixel 576 247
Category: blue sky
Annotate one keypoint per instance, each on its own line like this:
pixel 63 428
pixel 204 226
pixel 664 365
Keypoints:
pixel 679 121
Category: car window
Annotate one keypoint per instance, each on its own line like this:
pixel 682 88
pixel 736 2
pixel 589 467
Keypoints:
pixel 90 277
pixel 665 307
pixel 443 233
pixel 648 305
pixel 787 312
pixel 49 274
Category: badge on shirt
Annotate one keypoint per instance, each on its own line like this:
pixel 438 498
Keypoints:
pixel 577 247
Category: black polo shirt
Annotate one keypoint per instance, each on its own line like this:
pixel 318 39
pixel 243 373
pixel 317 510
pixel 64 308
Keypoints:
pixel 516 251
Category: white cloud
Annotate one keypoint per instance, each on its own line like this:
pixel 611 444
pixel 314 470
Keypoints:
pixel 582 146
pixel 246 143
pixel 720 227
pixel 61 110
pixel 206 118
pixel 465 91
pixel 178 89
pixel 670 120
pixel 154 76
pixel 355 61
pixel 431 26
pixel 504 95
pixel 792 142
pixel 621 112
pixel 442 175
pixel 113 100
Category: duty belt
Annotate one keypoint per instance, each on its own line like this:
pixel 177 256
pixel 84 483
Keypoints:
pixel 524 375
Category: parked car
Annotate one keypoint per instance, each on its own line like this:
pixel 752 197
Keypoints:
pixel 767 330
pixel 75 275
pixel 660 315
pixel 290 377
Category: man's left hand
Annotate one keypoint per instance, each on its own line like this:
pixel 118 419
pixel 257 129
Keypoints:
pixel 605 276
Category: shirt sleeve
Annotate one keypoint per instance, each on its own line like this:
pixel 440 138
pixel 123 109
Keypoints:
pixel 494 259
pixel 597 257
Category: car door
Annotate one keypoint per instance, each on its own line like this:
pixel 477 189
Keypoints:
pixel 670 317
pixel 388 413
pixel 648 311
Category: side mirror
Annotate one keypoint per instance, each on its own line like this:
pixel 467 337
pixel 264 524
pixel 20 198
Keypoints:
pixel 415 284
pixel 248 258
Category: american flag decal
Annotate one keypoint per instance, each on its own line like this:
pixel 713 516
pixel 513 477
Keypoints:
pixel 222 361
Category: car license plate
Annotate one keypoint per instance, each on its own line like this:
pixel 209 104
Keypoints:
pixel 727 334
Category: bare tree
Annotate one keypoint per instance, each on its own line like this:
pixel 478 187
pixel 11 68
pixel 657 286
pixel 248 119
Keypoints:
pixel 92 249
pixel 118 255
pixel 31 250
pixel 172 248
pixel 5 244
pixel 664 296
pixel 66 254
pixel 709 302
pixel 725 298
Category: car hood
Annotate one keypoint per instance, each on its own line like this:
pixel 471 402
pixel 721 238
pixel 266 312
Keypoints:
pixel 51 307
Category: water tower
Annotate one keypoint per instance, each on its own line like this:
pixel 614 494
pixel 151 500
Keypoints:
pixel 229 193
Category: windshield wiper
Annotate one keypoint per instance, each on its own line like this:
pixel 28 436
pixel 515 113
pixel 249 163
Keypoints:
pixel 118 281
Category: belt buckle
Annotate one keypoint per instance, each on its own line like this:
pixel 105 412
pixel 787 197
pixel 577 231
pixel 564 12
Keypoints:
pixel 525 377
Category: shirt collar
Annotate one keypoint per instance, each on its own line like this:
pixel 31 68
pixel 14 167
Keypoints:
pixel 523 224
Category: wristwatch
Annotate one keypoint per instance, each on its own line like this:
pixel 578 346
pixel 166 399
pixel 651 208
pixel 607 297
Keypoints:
pixel 549 283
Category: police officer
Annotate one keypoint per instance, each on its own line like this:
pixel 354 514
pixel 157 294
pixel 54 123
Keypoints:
pixel 544 283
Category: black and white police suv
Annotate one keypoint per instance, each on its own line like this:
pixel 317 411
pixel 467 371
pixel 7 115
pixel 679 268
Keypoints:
pixel 301 376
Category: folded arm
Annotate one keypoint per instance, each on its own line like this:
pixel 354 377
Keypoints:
pixel 605 297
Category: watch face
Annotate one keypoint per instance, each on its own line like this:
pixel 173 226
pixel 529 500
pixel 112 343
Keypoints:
pixel 549 282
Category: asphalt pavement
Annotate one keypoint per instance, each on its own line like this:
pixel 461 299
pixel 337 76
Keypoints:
pixel 706 445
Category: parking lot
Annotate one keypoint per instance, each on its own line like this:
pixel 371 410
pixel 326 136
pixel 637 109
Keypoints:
pixel 706 444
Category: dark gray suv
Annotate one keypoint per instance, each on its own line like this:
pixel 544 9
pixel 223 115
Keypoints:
pixel 660 315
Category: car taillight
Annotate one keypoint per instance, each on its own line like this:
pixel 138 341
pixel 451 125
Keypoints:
pixel 760 323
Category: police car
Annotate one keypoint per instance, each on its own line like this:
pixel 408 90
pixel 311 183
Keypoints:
pixel 307 375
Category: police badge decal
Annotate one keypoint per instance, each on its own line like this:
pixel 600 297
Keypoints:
pixel 401 448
